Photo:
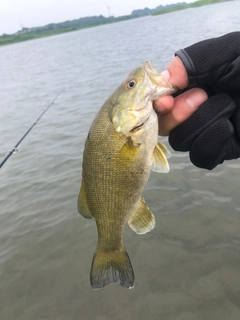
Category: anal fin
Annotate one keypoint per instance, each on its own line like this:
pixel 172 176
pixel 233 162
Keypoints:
pixel 82 203
pixel 142 220
pixel 160 155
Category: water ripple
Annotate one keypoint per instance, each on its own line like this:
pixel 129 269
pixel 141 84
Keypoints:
pixel 188 266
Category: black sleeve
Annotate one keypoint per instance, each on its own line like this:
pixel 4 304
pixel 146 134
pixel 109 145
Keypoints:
pixel 212 133
pixel 214 62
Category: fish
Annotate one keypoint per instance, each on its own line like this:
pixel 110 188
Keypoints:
pixel 120 151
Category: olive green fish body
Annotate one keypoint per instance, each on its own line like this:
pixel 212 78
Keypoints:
pixel 118 156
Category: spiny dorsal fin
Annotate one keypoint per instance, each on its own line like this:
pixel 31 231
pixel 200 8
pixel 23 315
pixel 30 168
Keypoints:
pixel 82 203
pixel 160 155
pixel 142 220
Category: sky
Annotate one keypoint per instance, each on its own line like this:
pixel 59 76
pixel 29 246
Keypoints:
pixel 15 14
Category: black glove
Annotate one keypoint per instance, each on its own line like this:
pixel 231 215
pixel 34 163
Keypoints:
pixel 212 133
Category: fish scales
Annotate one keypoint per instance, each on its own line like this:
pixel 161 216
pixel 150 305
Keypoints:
pixel 120 150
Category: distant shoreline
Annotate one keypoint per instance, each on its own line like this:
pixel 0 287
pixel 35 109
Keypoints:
pixel 53 29
pixel 195 4
pixel 89 22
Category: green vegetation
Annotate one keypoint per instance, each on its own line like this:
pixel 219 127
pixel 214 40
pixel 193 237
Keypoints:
pixel 57 28
pixel 188 5
pixel 87 22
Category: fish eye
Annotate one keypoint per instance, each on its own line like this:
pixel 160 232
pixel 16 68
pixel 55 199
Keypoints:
pixel 130 84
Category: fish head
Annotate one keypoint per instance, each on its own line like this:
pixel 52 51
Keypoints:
pixel 134 97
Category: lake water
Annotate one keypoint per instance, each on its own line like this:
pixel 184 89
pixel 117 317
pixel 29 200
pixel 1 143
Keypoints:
pixel 188 267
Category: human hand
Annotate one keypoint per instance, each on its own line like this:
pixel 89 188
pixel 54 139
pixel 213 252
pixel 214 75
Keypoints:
pixel 173 111
pixel 211 134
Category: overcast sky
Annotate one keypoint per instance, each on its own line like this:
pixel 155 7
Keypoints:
pixel 15 14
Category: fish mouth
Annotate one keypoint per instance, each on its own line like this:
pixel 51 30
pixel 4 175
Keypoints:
pixel 153 75
pixel 131 117
pixel 157 82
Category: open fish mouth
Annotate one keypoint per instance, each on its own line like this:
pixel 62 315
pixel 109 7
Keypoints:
pixel 153 75
pixel 157 82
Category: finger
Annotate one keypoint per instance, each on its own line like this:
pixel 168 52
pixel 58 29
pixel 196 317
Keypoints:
pixel 217 107
pixel 176 73
pixel 164 104
pixel 216 144
pixel 184 105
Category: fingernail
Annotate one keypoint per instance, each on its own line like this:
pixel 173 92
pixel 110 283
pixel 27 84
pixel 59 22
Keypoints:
pixel 195 99
pixel 166 74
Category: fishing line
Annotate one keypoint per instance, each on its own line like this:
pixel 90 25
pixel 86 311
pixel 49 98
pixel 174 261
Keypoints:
pixel 14 149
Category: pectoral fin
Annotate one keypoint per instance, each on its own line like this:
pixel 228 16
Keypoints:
pixel 82 203
pixel 142 220
pixel 160 155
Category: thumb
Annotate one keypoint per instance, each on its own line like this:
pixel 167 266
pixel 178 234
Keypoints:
pixel 183 107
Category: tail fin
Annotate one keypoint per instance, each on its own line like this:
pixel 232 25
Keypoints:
pixel 111 267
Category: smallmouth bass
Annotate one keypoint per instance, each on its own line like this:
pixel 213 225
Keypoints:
pixel 121 149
